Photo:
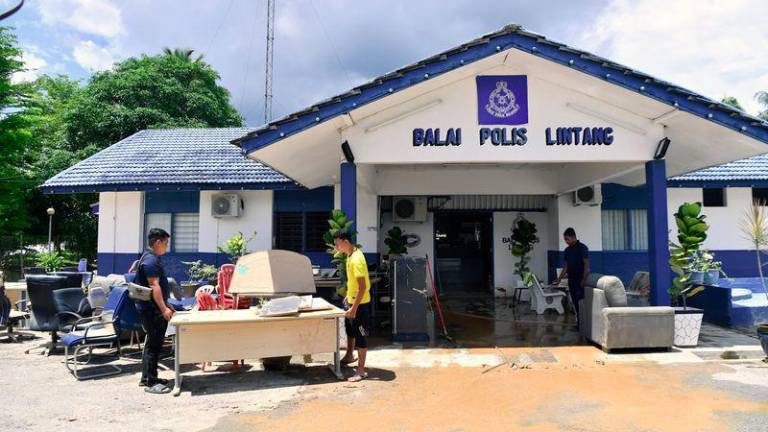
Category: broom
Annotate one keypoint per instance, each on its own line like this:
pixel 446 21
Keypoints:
pixel 437 302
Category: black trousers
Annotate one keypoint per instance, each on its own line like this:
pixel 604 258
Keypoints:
pixel 577 292
pixel 155 326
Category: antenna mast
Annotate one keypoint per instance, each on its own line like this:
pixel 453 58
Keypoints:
pixel 268 63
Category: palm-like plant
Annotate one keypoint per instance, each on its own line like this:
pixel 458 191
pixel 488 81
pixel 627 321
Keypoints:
pixel 762 98
pixel 754 226
pixel 183 54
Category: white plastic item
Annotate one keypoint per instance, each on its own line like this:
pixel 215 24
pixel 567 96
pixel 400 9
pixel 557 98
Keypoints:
pixel 542 300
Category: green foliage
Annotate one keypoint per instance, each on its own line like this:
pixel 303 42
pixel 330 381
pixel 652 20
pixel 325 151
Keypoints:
pixel 523 238
pixel 51 124
pixel 762 98
pixel 691 233
pixel 16 177
pixel 51 261
pixel 732 101
pixel 337 222
pixel 396 241
pixel 161 91
pixel 199 271
pixel 236 246
pixel 754 226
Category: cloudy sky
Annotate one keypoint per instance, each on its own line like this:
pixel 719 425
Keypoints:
pixel 323 47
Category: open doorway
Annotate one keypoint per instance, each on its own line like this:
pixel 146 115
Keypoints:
pixel 464 252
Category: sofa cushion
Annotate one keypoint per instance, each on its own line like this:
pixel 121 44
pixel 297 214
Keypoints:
pixel 615 294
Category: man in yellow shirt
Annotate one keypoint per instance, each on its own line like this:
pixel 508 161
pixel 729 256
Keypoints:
pixel 357 303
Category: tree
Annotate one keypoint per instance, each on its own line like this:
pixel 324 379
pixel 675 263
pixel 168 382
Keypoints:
pixel 762 98
pixel 166 90
pixel 732 101
pixel 183 54
pixel 16 180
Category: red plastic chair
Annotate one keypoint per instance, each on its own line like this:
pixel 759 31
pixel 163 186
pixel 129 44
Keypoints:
pixel 227 300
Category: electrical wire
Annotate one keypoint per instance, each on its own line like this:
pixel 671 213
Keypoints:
pixel 330 42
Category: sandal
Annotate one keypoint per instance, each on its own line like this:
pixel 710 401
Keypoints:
pixel 158 388
pixel 347 362
pixel 357 377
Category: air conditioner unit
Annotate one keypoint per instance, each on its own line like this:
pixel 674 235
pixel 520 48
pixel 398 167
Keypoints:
pixel 409 209
pixel 226 205
pixel 590 195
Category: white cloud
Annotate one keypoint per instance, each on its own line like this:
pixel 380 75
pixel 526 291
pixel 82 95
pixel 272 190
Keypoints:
pixel 32 63
pixel 96 17
pixel 709 46
pixel 92 57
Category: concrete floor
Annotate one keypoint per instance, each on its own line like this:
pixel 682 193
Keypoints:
pixel 509 370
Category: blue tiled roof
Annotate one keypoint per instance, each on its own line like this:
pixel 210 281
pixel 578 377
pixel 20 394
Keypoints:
pixel 169 159
pixel 511 36
pixel 745 172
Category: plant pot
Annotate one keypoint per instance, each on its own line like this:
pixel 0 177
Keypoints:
pixel 687 326
pixel 697 276
pixel 188 288
pixel 711 277
pixel 762 333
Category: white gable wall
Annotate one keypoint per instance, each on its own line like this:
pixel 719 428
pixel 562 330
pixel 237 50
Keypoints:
pixel 256 221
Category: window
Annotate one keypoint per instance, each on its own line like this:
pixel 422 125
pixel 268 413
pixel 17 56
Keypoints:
pixel 760 195
pixel 301 231
pixel 289 231
pixel 157 220
pixel 625 229
pixel 185 231
pixel 614 229
pixel 714 197
pixel 183 228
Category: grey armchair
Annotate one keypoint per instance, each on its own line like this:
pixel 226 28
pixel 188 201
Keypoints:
pixel 607 320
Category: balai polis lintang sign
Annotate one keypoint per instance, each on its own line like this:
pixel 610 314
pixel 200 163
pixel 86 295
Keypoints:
pixel 503 100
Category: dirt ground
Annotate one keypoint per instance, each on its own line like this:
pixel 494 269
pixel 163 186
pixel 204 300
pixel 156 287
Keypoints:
pixel 561 389
pixel 573 395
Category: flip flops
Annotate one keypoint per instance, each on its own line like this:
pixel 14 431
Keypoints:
pixel 158 388
pixel 347 362
pixel 357 377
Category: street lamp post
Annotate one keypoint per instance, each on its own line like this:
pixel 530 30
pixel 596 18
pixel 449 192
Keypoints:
pixel 50 212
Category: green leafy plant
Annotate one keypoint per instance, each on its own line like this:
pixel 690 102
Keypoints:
pixel 523 238
pixel 396 241
pixel 50 261
pixel 691 233
pixel 339 222
pixel 754 226
pixel 235 247
pixel 199 271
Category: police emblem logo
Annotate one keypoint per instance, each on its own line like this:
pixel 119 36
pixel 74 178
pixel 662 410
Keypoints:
pixel 501 101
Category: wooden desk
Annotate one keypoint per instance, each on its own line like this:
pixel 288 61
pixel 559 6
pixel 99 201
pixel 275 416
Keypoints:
pixel 15 291
pixel 222 335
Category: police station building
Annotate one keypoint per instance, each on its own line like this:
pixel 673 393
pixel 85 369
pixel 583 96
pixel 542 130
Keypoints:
pixel 453 149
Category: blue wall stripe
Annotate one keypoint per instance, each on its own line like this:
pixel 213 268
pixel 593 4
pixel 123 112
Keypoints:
pixel 320 199
pixel 172 202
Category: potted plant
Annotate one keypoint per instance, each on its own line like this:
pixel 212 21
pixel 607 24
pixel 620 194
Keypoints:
pixel 198 273
pixel 755 229
pixel 338 222
pixel 235 247
pixel 396 241
pixel 523 238
pixel 50 261
pixel 691 233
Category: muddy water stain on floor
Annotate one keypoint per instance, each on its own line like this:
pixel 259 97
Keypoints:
pixel 544 398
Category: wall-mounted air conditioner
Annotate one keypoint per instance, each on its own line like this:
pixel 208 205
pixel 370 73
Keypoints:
pixel 226 205
pixel 409 209
pixel 590 195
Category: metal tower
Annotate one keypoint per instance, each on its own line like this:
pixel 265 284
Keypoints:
pixel 268 63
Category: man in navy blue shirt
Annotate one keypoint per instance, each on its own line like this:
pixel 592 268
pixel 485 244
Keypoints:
pixel 155 313
pixel 576 266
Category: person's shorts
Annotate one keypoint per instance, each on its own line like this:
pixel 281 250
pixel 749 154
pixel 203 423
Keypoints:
pixel 357 328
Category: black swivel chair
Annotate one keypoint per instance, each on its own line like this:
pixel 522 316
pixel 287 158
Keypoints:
pixel 44 317
pixel 71 305
pixel 74 278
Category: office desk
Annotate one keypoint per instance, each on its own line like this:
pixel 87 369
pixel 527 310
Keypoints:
pixel 222 335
